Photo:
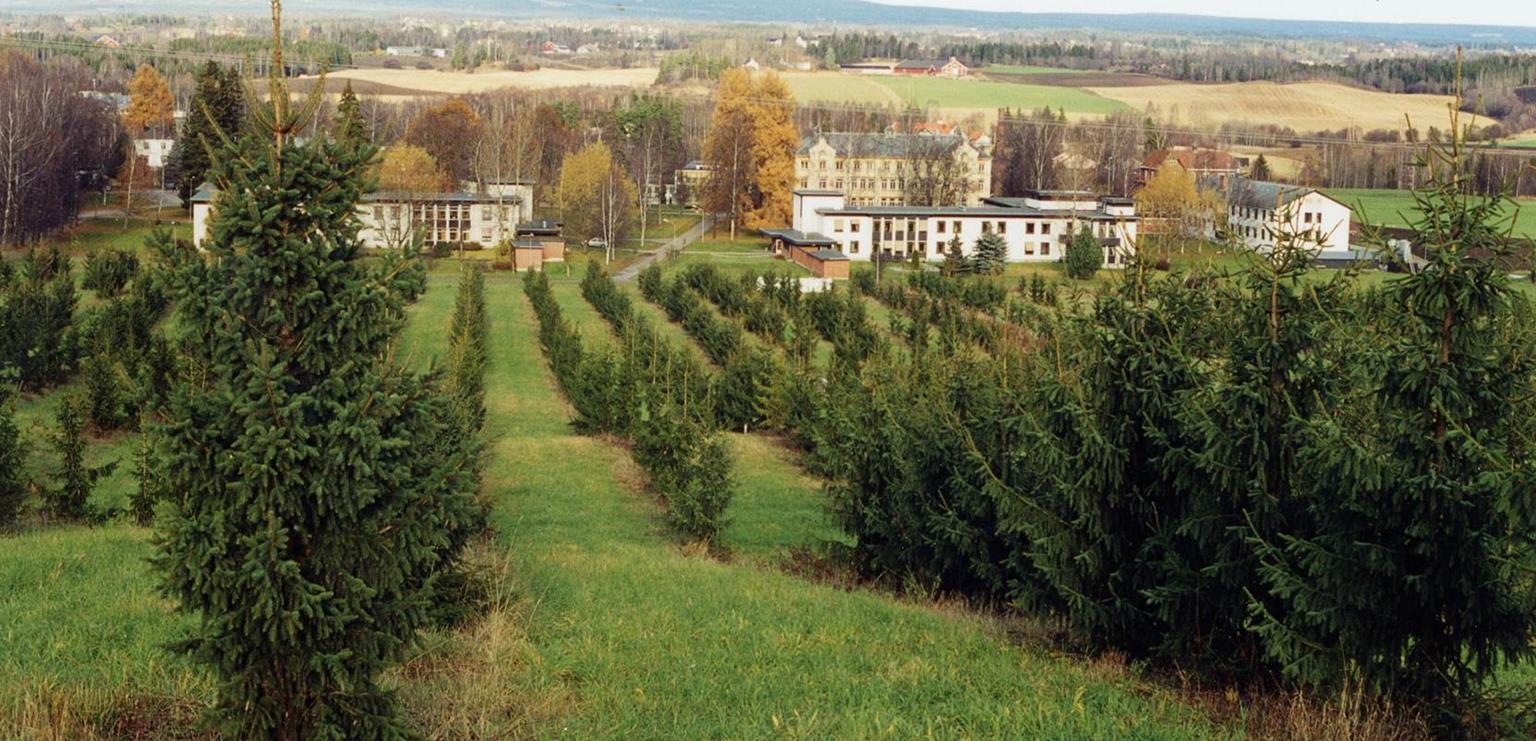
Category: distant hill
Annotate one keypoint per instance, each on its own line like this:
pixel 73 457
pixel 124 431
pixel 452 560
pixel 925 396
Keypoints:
pixel 821 12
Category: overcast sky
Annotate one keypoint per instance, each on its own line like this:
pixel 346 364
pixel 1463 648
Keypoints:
pixel 1491 12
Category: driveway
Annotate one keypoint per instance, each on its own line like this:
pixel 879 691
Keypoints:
pixel 672 245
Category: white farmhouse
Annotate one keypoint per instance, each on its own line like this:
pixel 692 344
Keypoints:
pixel 1258 210
pixel 1036 227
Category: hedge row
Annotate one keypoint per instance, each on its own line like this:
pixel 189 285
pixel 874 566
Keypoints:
pixel 642 390
pixel 750 380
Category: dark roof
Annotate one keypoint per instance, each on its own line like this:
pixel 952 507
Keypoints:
pixel 204 193
pixel 538 226
pixel 1258 194
pixel 828 255
pixel 799 238
pixel 527 244
pixel 849 144
pixel 386 196
pixel 696 165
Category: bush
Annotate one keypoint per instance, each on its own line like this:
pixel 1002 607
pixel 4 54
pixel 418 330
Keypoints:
pixel 1084 256
pixel 689 467
pixel 36 337
pixel 69 498
pixel 107 272
pixel 13 477
pixel 108 394
pixel 991 254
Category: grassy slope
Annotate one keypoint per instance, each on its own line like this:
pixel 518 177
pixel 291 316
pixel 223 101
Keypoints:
pixel 626 634
pixel 1396 207
pixel 658 643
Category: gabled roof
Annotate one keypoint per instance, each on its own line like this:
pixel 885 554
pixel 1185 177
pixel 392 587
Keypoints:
pixel 1260 194
pixel 850 144
pixel 1192 159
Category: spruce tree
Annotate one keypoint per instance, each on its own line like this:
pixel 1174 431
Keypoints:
pixel 991 254
pixel 13 478
pixel 1084 255
pixel 314 509
pixel 349 125
pixel 69 498
pixel 216 111
pixel 1407 567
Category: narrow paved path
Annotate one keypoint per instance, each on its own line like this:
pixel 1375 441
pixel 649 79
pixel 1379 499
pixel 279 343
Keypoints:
pixel 670 246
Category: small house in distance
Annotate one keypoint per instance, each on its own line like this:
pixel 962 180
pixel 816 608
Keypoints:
pixel 953 68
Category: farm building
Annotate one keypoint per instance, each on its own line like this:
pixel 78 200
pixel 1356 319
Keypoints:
pixel 932 68
pixel 868 68
pixel 1257 210
pixel 1035 227
pixel 872 169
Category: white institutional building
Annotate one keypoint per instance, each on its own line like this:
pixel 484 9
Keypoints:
pixel 391 219
pixel 1257 210
pixel 1036 226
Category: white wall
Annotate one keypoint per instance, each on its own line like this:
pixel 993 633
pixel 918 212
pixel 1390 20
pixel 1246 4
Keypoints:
pixel 1314 212
pixel 857 241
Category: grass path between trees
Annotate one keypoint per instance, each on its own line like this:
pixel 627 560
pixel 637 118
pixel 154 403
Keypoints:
pixel 652 641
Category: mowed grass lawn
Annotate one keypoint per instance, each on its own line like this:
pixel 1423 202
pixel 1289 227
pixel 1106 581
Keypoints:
pixel 1397 208
pixel 614 630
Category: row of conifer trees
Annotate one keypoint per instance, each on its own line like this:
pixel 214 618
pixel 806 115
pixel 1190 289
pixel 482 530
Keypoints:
pixel 643 390
pixel 1270 474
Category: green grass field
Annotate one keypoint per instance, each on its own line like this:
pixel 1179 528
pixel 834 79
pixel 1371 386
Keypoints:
pixel 1396 208
pixel 613 630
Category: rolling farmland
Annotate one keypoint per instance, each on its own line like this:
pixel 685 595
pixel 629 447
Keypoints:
pixel 1304 106
pixel 1396 208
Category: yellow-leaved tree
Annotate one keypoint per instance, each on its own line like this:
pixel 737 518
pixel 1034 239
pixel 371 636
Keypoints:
pixel 405 168
pixel 1173 204
pixel 750 150
pixel 151 108
pixel 597 199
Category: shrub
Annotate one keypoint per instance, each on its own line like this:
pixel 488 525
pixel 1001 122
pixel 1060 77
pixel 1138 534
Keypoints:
pixel 68 498
pixel 107 272
pixel 36 338
pixel 151 478
pixel 1084 256
pixel 689 467
pixel 991 254
pixel 108 394
pixel 13 477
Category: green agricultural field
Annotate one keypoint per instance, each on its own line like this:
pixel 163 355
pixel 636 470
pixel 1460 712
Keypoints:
pixel 1396 208
pixel 977 94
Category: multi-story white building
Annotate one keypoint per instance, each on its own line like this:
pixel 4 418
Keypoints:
pixel 1036 227
pixel 1258 210
pixel 393 219
pixel 873 169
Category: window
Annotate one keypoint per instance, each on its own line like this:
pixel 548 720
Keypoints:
pixel 853 227
pixel 1045 248
pixel 837 225
pixel 1045 228
pixel 378 213
pixel 1002 227
pixel 1029 248
pixel 940 226
pixel 1029 228
pixel 956 225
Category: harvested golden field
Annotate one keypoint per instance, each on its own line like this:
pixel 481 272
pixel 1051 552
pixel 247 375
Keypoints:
pixel 463 83
pixel 1303 106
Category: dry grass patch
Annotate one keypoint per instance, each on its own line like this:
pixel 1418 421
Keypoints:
pixel 1304 106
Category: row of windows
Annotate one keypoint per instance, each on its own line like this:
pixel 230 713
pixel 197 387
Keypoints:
pixel 885 166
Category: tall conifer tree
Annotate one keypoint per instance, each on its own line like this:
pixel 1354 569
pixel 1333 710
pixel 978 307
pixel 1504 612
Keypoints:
pixel 313 513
